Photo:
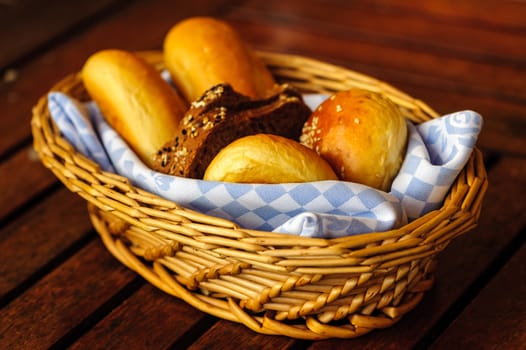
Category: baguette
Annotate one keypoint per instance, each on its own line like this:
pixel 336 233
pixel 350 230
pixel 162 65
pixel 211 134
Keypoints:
pixel 134 100
pixel 201 52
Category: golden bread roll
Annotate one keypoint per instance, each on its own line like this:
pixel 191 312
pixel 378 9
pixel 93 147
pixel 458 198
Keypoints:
pixel 361 134
pixel 134 99
pixel 266 158
pixel 201 52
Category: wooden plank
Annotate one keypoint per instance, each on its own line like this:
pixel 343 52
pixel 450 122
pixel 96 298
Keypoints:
pixel 130 29
pixel 496 315
pixel 460 264
pixel 157 328
pixel 28 25
pixel 237 336
pixel 505 14
pixel 63 299
pixel 32 179
pixel 437 69
pixel 34 240
pixel 414 27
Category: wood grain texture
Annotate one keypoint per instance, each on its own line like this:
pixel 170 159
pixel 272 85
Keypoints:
pixel 506 14
pixel 17 190
pixel 27 25
pixel 163 321
pixel 62 299
pixel 415 27
pixel 500 307
pixel 238 336
pixel 36 238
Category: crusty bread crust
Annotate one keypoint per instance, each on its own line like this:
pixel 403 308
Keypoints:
pixel 264 158
pixel 361 134
pixel 142 107
pixel 201 52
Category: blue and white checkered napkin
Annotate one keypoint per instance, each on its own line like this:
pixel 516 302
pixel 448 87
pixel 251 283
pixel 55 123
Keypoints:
pixel 437 151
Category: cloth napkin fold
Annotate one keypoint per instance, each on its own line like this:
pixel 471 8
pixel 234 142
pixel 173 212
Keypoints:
pixel 437 151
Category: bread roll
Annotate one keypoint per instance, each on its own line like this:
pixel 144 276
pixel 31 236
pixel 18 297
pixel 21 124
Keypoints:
pixel 265 158
pixel 201 52
pixel 134 99
pixel 362 134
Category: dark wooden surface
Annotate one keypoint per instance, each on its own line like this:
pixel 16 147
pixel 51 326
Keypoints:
pixel 60 288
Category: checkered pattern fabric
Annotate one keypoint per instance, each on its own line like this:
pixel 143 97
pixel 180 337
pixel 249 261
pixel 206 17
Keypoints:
pixel 73 119
pixel 436 152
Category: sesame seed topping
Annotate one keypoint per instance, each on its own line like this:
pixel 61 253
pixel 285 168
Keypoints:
pixel 198 104
pixel 181 154
pixel 309 133
pixel 219 90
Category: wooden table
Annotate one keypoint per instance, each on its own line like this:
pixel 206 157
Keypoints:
pixel 60 288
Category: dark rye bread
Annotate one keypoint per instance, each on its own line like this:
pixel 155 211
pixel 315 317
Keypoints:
pixel 221 116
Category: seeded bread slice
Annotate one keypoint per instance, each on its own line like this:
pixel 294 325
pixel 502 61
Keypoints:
pixel 221 116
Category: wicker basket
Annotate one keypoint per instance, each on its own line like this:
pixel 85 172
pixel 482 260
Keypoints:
pixel 273 283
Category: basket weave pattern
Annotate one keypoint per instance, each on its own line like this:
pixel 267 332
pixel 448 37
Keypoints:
pixel 307 288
